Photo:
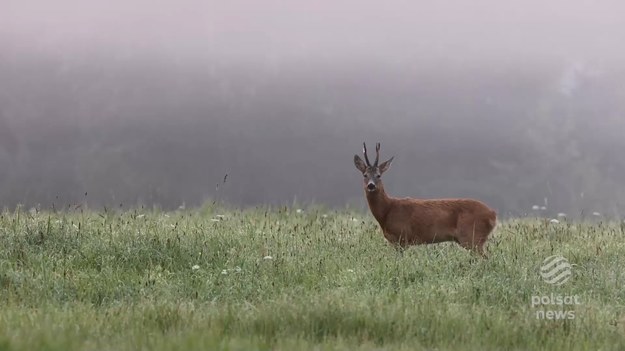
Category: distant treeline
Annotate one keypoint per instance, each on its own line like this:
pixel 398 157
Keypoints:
pixel 107 132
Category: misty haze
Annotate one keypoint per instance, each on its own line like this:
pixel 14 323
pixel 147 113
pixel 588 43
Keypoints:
pixel 149 103
pixel 190 175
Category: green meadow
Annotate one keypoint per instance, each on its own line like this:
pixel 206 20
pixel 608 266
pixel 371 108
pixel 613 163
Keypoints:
pixel 281 279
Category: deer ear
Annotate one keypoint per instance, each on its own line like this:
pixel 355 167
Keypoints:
pixel 360 164
pixel 385 165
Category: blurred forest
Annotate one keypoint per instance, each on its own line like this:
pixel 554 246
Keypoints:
pixel 111 131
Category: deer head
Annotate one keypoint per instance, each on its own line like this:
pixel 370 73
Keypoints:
pixel 372 173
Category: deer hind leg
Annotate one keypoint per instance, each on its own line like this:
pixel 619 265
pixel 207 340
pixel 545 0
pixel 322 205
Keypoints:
pixel 475 246
pixel 479 248
pixel 473 236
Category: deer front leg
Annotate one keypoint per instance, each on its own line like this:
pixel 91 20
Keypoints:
pixel 399 249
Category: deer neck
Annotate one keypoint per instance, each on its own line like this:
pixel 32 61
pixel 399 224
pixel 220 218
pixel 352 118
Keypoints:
pixel 379 203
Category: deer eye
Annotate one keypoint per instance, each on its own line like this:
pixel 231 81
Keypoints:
pixel 378 175
pixel 364 175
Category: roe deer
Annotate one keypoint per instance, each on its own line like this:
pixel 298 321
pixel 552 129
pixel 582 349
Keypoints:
pixel 409 221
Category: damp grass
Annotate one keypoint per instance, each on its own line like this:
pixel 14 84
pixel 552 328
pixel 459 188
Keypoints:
pixel 311 279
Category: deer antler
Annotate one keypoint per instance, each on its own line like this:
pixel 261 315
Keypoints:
pixel 364 150
pixel 377 154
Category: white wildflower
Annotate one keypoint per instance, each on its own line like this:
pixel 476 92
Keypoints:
pixel 237 269
pixel 324 216
pixel 195 267
pixel 224 272
pixel 299 210
pixel 215 220
pixel 554 221
pixel 267 258
pixel 220 216
pixel 141 216
pixel 350 270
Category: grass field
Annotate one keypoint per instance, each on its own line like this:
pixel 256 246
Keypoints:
pixel 281 279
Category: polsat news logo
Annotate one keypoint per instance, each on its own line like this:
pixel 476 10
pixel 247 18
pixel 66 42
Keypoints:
pixel 555 270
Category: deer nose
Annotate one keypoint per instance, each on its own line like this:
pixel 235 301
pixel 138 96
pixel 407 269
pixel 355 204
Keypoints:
pixel 371 186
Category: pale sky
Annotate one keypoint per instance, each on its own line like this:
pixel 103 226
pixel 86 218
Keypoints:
pixel 317 29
